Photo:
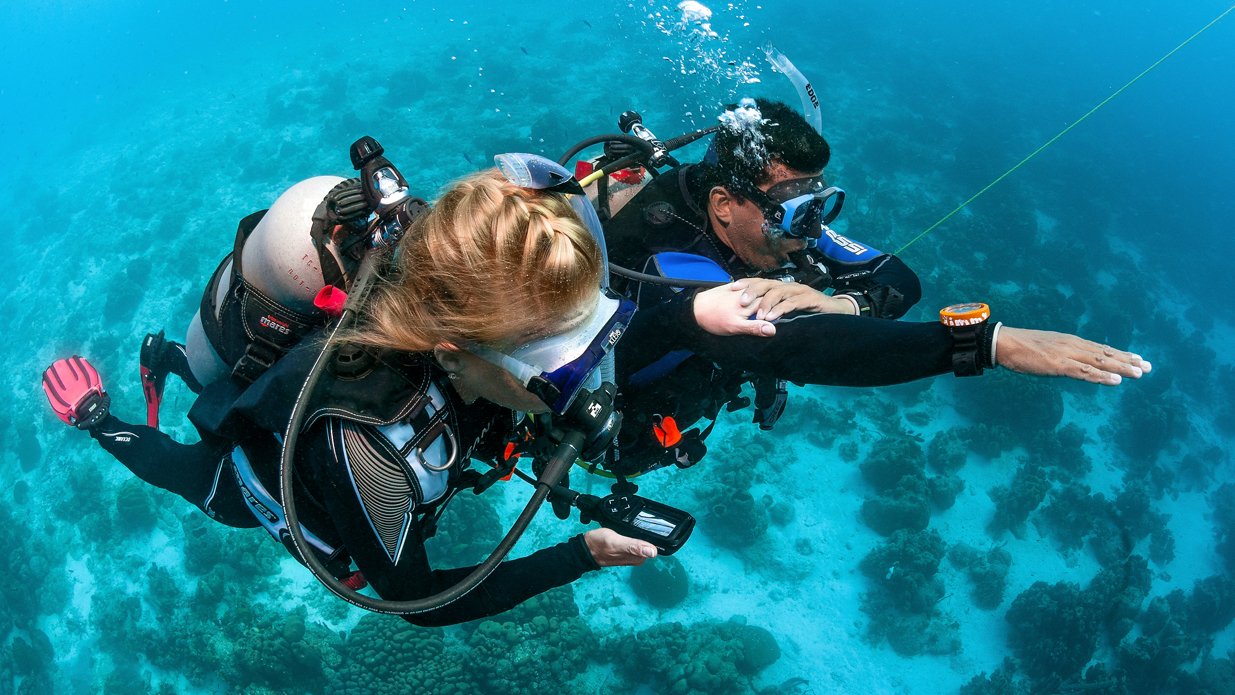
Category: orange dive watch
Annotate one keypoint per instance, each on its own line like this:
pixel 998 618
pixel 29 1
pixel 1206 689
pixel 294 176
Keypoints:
pixel 973 341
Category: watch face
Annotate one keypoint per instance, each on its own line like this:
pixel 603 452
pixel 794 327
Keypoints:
pixel 966 314
pixel 964 308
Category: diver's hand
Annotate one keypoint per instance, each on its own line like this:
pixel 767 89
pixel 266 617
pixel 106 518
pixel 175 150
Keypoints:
pixel 611 549
pixel 1047 353
pixel 771 299
pixel 720 311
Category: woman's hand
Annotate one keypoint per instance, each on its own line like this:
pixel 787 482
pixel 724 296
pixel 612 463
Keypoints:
pixel 611 549
pixel 1047 353
pixel 748 306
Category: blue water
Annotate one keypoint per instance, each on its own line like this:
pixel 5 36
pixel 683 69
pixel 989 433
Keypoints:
pixel 134 134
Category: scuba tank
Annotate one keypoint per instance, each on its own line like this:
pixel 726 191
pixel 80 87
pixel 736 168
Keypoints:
pixel 260 300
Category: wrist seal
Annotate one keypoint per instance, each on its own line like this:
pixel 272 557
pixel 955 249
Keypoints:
pixel 863 303
pixel 972 337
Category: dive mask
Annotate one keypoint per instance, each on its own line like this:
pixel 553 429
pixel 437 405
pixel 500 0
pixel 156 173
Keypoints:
pixel 557 368
pixel 798 208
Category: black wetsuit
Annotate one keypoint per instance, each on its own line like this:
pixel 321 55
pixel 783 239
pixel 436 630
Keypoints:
pixel 366 488
pixel 669 215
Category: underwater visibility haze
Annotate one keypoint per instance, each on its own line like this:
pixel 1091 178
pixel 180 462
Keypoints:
pixel 1003 534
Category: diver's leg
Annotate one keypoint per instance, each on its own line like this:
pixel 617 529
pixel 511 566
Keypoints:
pixel 200 473
pixel 158 358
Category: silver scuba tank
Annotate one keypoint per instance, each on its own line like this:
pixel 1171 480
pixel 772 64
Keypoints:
pixel 279 260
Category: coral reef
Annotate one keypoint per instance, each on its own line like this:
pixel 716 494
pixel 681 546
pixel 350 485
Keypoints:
pixel 906 506
pixel 1052 630
pixel 1117 593
pixel 1061 454
pixel 383 654
pixel 1002 682
pixel 732 517
pixel 1073 514
pixel 704 658
pixel 662 582
pixel 467 532
pixel 988 571
pixel 986 440
pixel 1022 404
pixel 1015 501
pixel 1149 424
pixel 895 469
pixel 904 593
pixel 1222 501
pixel 507 653
pixel 135 511
pixel 947 451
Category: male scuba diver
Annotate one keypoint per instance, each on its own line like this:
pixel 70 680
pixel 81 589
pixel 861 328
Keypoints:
pixel 756 207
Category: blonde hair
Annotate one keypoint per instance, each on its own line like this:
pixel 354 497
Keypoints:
pixel 490 264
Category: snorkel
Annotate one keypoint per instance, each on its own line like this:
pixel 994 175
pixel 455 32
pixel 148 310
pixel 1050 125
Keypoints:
pixel 811 110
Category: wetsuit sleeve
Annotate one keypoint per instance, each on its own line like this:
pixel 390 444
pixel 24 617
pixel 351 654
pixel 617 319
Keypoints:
pixel 827 349
pixel 883 284
pixel 400 570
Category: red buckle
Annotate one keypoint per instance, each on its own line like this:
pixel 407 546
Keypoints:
pixel 666 431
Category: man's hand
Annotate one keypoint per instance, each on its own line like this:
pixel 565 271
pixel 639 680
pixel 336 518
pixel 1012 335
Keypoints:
pixel 611 549
pixel 769 300
pixel 749 306
pixel 1047 353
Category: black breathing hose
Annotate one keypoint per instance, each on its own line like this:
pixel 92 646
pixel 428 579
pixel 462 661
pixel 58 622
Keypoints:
pixel 644 148
pixel 660 280
pixel 563 457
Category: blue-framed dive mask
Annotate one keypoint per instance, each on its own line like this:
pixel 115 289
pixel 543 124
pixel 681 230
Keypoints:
pixel 557 368
pixel 798 208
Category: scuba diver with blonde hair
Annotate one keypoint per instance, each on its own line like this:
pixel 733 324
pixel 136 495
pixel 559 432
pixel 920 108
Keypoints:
pixel 493 305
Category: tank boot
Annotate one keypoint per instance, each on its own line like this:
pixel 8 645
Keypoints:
pixel 75 392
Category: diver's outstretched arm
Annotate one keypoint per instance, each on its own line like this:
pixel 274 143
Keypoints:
pixel 839 350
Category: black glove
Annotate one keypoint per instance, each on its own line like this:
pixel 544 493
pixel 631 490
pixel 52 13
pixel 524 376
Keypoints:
pixel 347 205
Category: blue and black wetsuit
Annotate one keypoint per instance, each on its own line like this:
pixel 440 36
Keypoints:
pixel 669 366
pixel 371 475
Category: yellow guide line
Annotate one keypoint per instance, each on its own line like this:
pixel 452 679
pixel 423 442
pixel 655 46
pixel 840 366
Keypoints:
pixel 1065 131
